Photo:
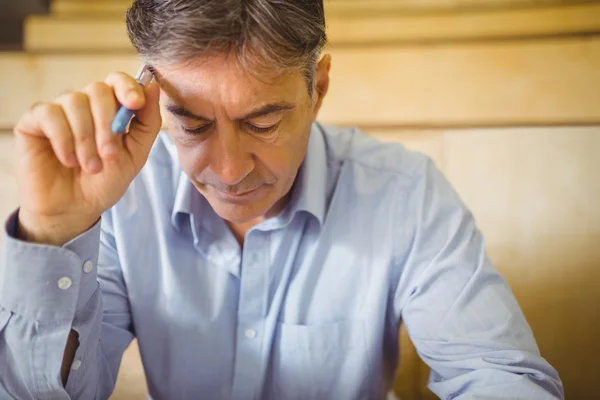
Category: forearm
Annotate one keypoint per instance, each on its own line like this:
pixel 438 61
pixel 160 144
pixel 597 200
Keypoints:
pixel 490 372
pixel 22 233
pixel 48 296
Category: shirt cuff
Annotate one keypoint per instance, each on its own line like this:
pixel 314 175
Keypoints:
pixel 47 283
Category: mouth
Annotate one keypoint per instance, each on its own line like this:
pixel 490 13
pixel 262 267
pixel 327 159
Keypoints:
pixel 239 194
pixel 237 197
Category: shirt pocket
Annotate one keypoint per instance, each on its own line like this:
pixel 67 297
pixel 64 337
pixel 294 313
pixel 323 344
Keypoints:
pixel 321 361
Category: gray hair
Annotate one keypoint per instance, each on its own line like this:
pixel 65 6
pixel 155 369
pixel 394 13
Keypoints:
pixel 270 35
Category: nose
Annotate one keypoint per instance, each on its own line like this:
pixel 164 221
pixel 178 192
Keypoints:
pixel 230 160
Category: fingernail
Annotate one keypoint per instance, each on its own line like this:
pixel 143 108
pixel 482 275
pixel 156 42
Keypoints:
pixel 110 149
pixel 132 95
pixel 94 164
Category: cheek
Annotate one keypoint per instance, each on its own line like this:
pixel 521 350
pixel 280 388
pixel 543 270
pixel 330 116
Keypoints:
pixel 284 157
pixel 192 154
pixel 281 162
pixel 193 157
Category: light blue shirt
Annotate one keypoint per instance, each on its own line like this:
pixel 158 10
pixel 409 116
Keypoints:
pixel 310 308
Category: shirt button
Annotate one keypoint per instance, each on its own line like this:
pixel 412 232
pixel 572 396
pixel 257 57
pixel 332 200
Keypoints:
pixel 76 364
pixel 87 266
pixel 64 283
pixel 250 333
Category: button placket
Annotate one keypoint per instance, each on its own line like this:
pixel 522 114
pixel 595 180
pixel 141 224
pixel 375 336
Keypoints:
pixel 88 266
pixel 249 368
pixel 76 365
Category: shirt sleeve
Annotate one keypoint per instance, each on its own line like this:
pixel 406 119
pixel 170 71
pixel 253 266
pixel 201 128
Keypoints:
pixel 45 291
pixel 460 313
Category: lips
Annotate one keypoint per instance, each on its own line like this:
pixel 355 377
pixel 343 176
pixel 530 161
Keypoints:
pixel 238 197
pixel 238 194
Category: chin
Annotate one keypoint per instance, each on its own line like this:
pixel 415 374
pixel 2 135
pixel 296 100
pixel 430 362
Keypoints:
pixel 238 213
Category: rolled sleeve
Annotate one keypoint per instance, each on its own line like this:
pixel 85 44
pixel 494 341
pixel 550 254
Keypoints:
pixel 47 283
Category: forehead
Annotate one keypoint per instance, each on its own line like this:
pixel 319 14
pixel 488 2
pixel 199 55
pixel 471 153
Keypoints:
pixel 222 79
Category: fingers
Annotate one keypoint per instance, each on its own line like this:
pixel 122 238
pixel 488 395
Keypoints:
pixel 47 120
pixel 126 89
pixel 103 108
pixel 105 98
pixel 78 124
pixel 76 108
pixel 145 125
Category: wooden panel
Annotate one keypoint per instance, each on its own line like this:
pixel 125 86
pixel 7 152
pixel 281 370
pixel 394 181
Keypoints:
pixel 482 25
pixel 131 381
pixel 358 7
pixel 534 193
pixel 8 193
pixel 533 82
pixel 514 83
pixel 332 7
pixel 25 79
pixel 87 7
pixel 89 34
pixel 406 384
pixel 44 33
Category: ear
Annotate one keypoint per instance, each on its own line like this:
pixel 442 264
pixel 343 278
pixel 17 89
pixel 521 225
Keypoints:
pixel 321 83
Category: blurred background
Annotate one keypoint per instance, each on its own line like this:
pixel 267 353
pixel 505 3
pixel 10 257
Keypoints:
pixel 504 95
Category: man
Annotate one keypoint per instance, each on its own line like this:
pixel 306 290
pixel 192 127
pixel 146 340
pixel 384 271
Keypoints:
pixel 258 254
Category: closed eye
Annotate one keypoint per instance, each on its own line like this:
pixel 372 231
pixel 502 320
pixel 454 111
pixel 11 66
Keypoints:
pixel 261 129
pixel 197 131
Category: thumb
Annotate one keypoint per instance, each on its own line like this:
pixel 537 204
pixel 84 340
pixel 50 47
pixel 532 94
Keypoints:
pixel 145 126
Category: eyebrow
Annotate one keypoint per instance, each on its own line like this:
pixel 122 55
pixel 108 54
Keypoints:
pixel 263 110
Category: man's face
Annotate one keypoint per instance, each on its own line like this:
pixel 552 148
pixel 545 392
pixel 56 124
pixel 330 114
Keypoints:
pixel 240 138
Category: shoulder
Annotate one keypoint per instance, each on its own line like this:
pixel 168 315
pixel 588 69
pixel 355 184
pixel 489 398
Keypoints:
pixel 350 148
pixel 404 185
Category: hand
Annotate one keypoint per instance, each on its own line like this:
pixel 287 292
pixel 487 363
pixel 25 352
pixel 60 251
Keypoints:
pixel 70 166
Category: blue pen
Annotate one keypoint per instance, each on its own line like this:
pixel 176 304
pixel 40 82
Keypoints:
pixel 124 115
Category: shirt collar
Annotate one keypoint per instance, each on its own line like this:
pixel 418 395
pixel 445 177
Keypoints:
pixel 310 188
pixel 183 200
pixel 308 193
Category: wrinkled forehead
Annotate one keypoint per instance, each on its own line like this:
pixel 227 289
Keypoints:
pixel 222 78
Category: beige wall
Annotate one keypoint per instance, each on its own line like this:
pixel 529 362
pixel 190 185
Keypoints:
pixel 508 107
